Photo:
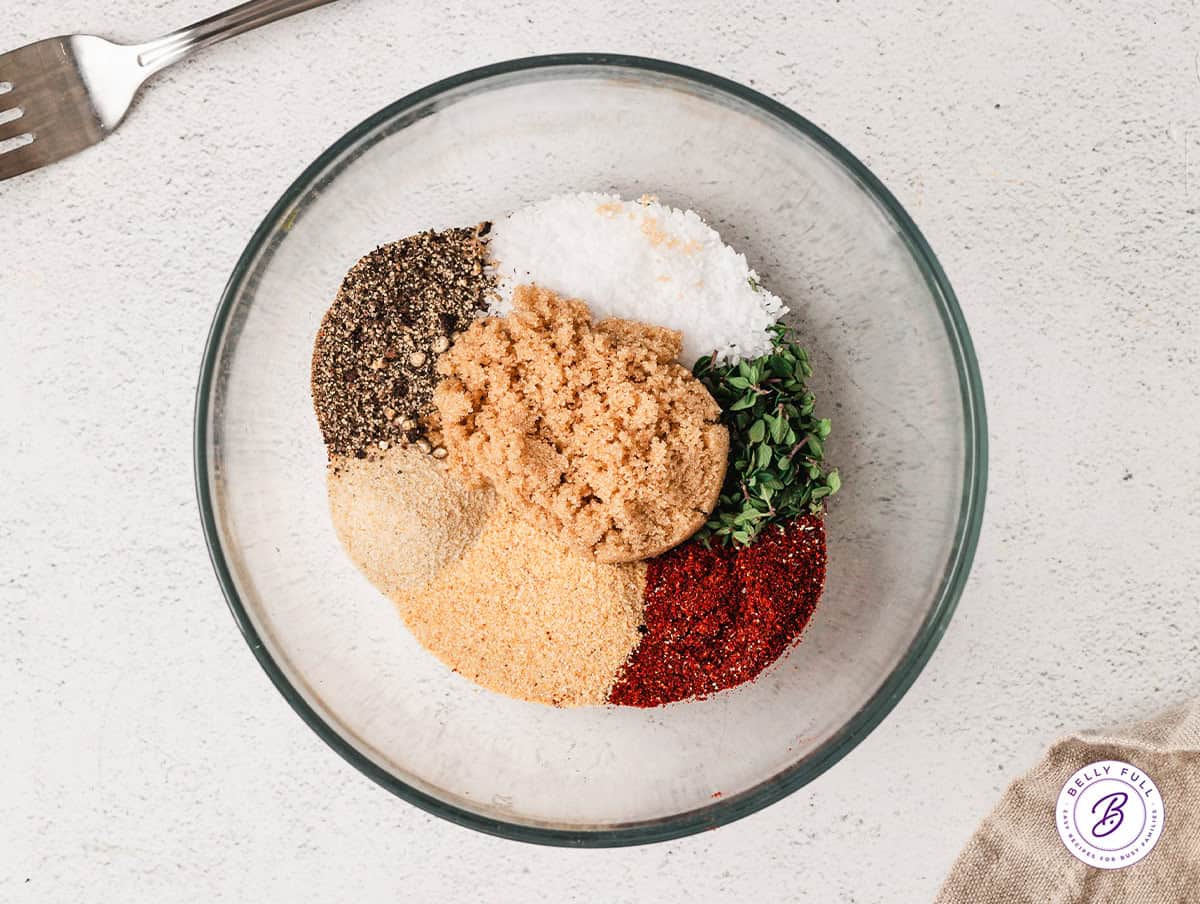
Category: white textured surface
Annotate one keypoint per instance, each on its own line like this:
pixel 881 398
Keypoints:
pixel 1052 157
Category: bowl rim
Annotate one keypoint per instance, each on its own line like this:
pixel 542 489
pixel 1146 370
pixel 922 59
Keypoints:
pixel 725 810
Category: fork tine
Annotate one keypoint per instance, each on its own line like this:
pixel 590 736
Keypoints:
pixel 22 160
pixel 13 127
pixel 57 111
pixel 13 96
pixel 54 101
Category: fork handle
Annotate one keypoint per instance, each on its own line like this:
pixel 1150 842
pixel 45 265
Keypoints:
pixel 162 52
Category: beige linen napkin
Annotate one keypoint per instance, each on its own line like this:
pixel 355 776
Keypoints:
pixel 1016 856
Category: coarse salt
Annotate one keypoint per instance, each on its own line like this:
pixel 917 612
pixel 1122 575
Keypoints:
pixel 639 260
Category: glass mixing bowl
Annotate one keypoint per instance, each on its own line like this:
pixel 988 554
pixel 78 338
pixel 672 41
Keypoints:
pixel 894 370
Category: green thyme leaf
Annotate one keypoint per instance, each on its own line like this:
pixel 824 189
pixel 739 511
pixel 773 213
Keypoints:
pixel 777 446
pixel 778 429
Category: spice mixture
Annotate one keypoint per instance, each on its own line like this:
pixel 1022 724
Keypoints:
pixel 546 499
pixel 523 616
pixel 590 432
pixel 401 516
pixel 717 616
pixel 398 308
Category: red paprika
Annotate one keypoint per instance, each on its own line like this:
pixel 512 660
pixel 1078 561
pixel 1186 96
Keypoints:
pixel 716 617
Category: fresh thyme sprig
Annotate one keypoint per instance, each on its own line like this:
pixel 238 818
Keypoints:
pixel 776 444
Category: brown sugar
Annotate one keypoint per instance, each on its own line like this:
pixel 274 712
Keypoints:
pixel 520 615
pixel 590 431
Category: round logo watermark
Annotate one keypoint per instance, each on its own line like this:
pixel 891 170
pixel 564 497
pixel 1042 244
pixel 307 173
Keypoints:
pixel 1109 814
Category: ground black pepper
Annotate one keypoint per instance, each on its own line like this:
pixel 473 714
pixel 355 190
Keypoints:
pixel 373 368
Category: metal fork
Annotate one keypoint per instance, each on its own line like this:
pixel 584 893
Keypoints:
pixel 61 95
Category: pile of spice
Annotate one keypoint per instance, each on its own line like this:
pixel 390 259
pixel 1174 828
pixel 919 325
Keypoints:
pixel 523 615
pixel 373 368
pixel 590 432
pixel 716 616
pixel 777 465
pixel 401 517
pixel 566 511
pixel 638 260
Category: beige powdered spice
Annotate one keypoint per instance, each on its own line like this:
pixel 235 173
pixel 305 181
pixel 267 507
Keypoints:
pixel 520 615
pixel 592 432
pixel 401 516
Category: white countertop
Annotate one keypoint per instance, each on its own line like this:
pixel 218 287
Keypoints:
pixel 1050 155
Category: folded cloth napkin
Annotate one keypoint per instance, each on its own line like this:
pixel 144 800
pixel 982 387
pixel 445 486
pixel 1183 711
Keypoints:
pixel 1017 857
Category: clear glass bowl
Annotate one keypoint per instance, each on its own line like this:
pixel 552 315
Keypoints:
pixel 894 369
